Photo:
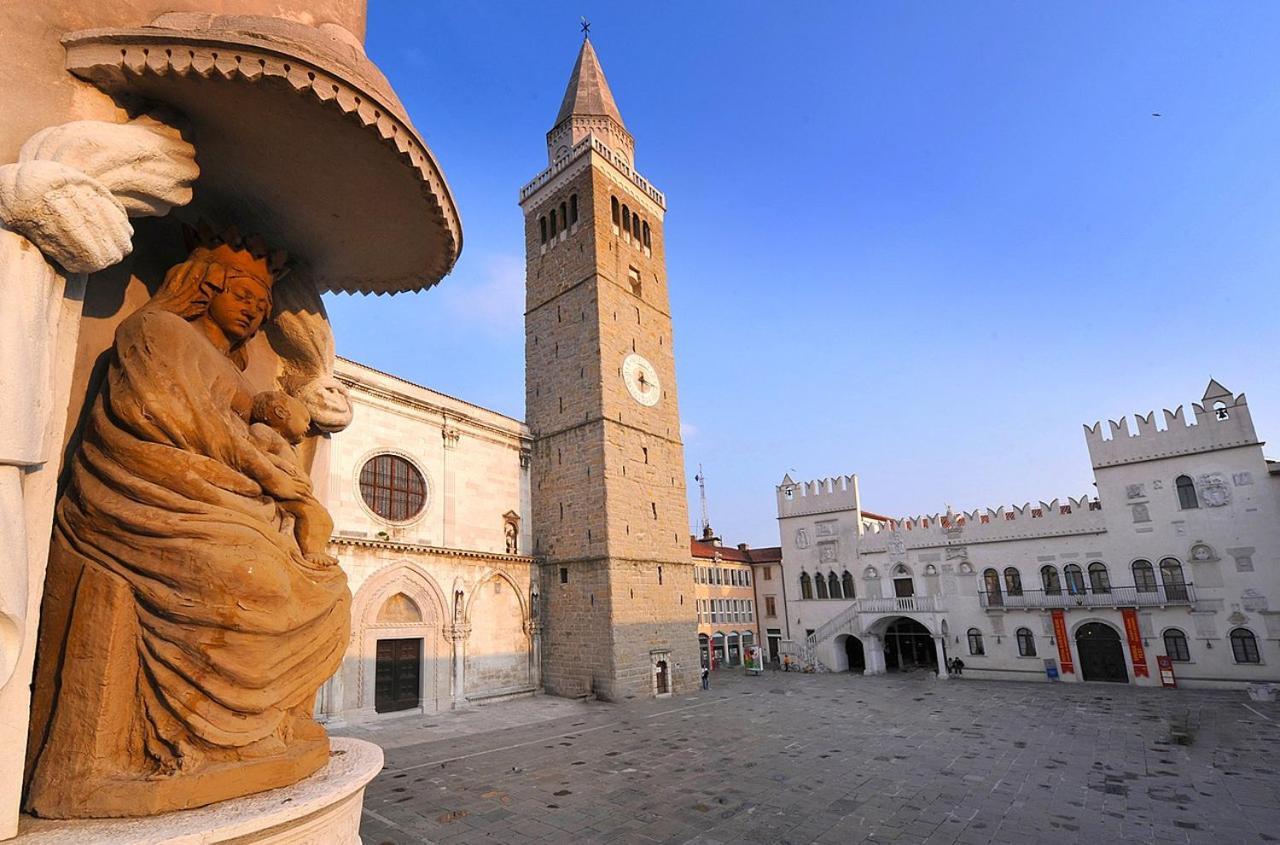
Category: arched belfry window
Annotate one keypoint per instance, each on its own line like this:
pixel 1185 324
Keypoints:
pixel 806 586
pixel 542 226
pixel 1186 493
pixel 646 234
pixel 626 219
pixel 616 210
pixel 564 215
pixel 573 209
pixel 555 226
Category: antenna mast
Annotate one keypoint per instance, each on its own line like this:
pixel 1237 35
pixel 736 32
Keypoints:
pixel 701 478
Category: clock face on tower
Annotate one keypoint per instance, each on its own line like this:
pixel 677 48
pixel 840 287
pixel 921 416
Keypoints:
pixel 641 380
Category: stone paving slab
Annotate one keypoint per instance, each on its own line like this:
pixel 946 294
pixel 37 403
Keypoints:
pixel 790 758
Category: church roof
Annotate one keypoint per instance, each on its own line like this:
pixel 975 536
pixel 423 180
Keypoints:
pixel 588 91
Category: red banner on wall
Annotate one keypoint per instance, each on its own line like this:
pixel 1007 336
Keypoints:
pixel 1064 644
pixel 1135 642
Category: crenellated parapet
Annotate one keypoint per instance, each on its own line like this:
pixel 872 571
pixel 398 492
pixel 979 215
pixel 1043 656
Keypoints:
pixel 1054 518
pixel 1221 421
pixel 822 495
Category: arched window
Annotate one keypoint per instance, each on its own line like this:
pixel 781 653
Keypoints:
pixel 991 583
pixel 806 586
pixel 1049 578
pixel 646 233
pixel 1186 493
pixel 1075 579
pixel 1099 580
pixel 542 224
pixel 626 219
pixel 1144 577
pixel 1012 581
pixel 555 226
pixel 975 642
pixel 847 581
pixel 833 583
pixel 821 583
pixel 1026 643
pixel 564 215
pixel 635 226
pixel 1175 645
pixel 392 487
pixel 1244 646
pixel 1175 583
pixel 573 209
pixel 616 210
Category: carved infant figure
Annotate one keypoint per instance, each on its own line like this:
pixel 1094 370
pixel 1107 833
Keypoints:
pixel 278 423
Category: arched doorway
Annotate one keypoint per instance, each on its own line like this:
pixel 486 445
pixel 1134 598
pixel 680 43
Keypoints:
pixel 908 645
pixel 854 656
pixel 1101 655
pixel 704 646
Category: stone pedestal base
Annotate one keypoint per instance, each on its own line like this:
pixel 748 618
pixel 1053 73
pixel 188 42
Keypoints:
pixel 323 809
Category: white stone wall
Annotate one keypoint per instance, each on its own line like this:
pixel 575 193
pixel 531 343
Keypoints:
pixel 1228 547
pixel 470 600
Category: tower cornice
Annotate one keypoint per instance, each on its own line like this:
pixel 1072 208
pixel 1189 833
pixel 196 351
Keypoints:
pixel 595 152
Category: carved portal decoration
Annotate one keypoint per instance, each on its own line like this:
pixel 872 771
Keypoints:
pixel 1213 490
pixel 185 627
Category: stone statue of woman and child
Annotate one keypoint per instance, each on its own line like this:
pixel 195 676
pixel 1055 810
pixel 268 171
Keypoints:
pixel 191 610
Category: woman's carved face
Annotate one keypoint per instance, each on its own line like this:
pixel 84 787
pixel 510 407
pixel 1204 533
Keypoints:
pixel 240 307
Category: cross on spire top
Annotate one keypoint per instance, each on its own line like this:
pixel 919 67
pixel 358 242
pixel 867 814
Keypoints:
pixel 586 27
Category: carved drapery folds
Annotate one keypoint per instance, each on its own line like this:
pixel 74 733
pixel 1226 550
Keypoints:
pixel 64 211
pixel 186 624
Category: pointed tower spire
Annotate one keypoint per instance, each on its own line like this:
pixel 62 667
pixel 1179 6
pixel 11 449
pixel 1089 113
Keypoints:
pixel 588 108
pixel 588 94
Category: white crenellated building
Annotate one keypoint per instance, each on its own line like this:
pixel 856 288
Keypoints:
pixel 430 500
pixel 1177 556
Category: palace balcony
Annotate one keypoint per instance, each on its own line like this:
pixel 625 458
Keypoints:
pixel 1087 596
pixel 899 604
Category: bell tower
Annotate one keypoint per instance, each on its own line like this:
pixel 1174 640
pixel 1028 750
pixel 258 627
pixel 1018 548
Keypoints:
pixel 610 515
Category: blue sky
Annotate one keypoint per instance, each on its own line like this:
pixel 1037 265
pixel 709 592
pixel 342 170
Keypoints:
pixel 921 243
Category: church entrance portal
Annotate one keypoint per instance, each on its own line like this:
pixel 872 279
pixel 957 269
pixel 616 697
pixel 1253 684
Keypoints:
pixel 1101 655
pixel 908 645
pixel 397 675
pixel 854 655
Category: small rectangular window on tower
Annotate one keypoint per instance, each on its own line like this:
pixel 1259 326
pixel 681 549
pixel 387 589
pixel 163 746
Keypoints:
pixel 564 575
pixel 634 276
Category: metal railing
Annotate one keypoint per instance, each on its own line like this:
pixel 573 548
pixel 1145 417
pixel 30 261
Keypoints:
pixel 879 604
pixel 1089 596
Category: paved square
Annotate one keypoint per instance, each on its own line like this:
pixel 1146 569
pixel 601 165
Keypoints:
pixel 837 759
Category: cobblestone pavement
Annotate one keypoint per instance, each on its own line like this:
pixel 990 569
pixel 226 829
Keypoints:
pixel 838 759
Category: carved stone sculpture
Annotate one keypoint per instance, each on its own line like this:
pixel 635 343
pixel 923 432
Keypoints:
pixel 64 211
pixel 184 633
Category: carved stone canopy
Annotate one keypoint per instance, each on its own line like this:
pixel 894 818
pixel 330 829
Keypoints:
pixel 300 138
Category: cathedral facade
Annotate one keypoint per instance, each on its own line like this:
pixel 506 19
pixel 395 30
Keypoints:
pixel 1169 574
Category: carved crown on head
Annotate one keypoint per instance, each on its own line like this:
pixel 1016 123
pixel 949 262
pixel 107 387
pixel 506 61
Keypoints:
pixel 247 253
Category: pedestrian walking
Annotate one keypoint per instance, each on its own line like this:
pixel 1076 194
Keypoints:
pixel 706 678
